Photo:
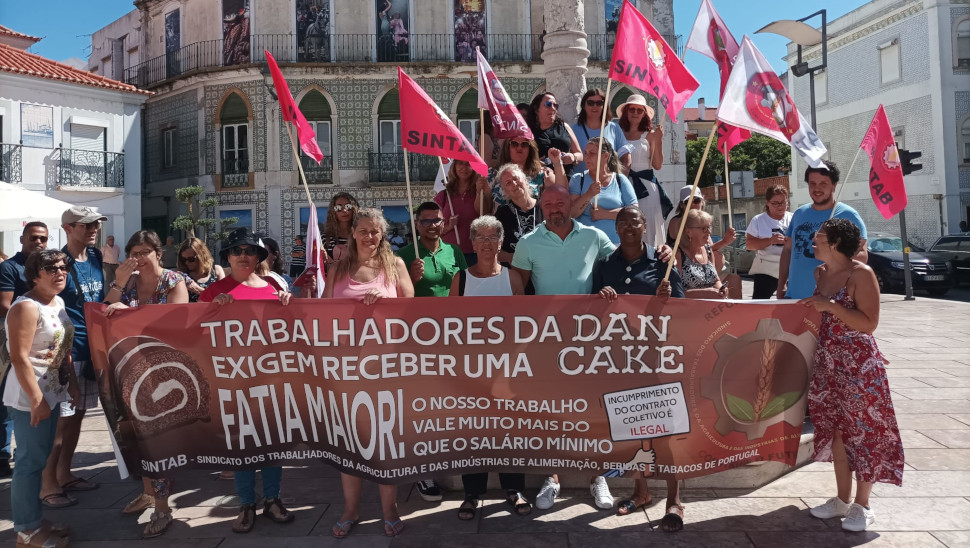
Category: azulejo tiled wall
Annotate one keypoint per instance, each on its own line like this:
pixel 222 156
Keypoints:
pixel 254 199
pixel 181 113
pixel 255 92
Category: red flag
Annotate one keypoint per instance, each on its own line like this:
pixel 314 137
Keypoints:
pixel 304 131
pixel 643 59
pixel 885 174
pixel 507 122
pixel 427 130
pixel 710 37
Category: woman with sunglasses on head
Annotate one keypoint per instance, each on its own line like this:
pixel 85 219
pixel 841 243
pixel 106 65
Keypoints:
pixel 40 335
pixel 525 154
pixel 588 125
pixel 459 205
pixel 196 264
pixel 368 273
pixel 551 131
pixel 141 280
pixel 338 227
pixel 766 235
pixel 597 198
pixel 244 253
pixel 645 143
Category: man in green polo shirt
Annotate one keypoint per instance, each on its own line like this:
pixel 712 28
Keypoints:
pixel 438 262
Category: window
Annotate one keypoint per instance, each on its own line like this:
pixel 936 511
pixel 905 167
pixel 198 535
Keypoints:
pixel 965 139
pixel 168 147
pixel 322 131
pixel 316 109
pixel 390 136
pixel 470 129
pixel 821 87
pixel 740 222
pixel 235 148
pixel 468 117
pixel 389 124
pixel 899 135
pixel 962 48
pixel 889 62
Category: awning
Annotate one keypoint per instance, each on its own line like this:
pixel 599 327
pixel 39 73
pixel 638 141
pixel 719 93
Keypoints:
pixel 19 206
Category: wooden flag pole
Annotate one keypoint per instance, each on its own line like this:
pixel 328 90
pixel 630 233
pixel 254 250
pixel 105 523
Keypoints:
pixel 407 180
pixel 599 149
pixel 441 165
pixel 845 181
pixel 481 151
pixel 296 158
pixel 683 220
pixel 727 186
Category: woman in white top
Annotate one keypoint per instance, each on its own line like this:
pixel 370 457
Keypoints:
pixel 646 155
pixel 40 336
pixel 766 235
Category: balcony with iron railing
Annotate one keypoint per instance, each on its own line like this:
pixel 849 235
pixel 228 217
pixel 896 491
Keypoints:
pixel 317 174
pixel 11 163
pixel 235 169
pixel 387 168
pixel 357 48
pixel 90 168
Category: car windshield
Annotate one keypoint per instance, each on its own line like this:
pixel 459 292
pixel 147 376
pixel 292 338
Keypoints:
pixel 886 244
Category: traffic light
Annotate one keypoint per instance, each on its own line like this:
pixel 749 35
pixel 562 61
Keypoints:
pixel 906 158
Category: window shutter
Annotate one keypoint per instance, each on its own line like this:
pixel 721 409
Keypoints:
pixel 87 137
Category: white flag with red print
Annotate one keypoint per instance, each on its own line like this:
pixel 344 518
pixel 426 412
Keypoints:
pixel 756 100
pixel 314 249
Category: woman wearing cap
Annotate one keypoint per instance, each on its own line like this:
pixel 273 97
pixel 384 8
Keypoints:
pixel 588 125
pixel 370 272
pixel 766 235
pixel 597 200
pixel 196 264
pixel 646 155
pixel 244 253
pixel 551 131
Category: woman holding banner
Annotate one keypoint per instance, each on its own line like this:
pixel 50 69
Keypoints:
pixel 551 131
pixel 40 337
pixel 460 205
pixel 646 156
pixel 244 253
pixel 141 280
pixel 370 272
pixel 849 398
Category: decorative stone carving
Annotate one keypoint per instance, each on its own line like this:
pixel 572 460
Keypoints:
pixel 564 54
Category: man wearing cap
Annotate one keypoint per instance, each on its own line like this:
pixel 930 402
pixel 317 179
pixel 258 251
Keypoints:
pixel 110 255
pixel 85 284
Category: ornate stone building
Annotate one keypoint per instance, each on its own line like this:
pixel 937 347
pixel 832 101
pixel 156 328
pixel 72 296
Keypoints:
pixel 214 119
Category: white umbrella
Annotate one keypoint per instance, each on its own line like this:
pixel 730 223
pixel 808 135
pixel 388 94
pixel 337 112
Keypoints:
pixel 19 206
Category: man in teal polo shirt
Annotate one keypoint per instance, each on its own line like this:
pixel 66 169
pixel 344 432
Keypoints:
pixel 438 262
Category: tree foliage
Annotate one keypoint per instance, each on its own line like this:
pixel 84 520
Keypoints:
pixel 763 155
pixel 195 218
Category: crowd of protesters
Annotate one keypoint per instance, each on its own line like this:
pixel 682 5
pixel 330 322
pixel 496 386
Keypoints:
pixel 577 211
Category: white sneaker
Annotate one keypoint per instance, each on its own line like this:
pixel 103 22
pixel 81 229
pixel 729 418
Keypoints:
pixel 547 495
pixel 429 490
pixel 601 493
pixel 833 508
pixel 858 518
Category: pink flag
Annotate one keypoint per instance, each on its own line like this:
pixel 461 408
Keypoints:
pixel 643 59
pixel 314 249
pixel 304 131
pixel 710 37
pixel 507 122
pixel 885 174
pixel 426 129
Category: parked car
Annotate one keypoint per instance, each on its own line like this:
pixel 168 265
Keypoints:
pixel 956 249
pixel 739 255
pixel 930 271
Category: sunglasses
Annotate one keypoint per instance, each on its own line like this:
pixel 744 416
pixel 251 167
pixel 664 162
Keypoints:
pixel 430 222
pixel 141 254
pixel 55 269
pixel 41 239
pixel 552 104
pixel 247 251
pixel 593 103
pixel 344 207
pixel 92 224
pixel 817 234
pixel 518 144
pixel 635 110
pixel 191 259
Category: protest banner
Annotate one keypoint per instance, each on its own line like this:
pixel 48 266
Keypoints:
pixel 410 387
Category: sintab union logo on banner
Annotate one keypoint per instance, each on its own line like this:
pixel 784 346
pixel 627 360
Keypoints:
pixel 769 104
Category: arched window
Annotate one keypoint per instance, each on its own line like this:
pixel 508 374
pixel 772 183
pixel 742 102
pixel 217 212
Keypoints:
pixel 389 123
pixel 962 49
pixel 234 119
pixel 965 140
pixel 467 112
pixel 316 109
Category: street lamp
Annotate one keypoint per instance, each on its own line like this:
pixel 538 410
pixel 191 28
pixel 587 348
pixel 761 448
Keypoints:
pixel 804 35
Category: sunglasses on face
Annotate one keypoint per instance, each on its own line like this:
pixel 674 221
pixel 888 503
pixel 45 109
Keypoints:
pixel 191 259
pixel 430 222
pixel 89 226
pixel 41 239
pixel 635 110
pixel 344 207
pixel 552 104
pixel 592 103
pixel 247 251
pixel 518 144
pixel 817 235
pixel 141 254
pixel 54 269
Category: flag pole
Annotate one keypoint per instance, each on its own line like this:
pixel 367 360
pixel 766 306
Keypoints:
pixel 599 149
pixel 481 151
pixel 727 185
pixel 683 220
pixel 407 180
pixel 296 158
pixel 441 166
pixel 845 181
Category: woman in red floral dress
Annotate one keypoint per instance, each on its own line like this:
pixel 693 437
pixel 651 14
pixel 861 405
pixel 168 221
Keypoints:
pixel 855 425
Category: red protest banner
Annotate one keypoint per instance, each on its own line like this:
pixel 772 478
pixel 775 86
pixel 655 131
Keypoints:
pixel 426 129
pixel 410 386
pixel 291 113
pixel 643 59
pixel 507 121
pixel 885 174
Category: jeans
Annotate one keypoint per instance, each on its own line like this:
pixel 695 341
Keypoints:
pixel 246 484
pixel 33 447
pixel 6 426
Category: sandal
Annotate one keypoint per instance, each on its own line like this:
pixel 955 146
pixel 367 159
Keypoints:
pixel 633 504
pixel 342 528
pixel 139 504
pixel 79 484
pixel 41 537
pixel 158 525
pixel 246 519
pixel 467 510
pixel 673 521
pixel 523 508
pixel 274 510
pixel 227 475
pixel 58 500
pixel 393 528
pixel 58 529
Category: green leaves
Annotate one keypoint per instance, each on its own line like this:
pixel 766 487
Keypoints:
pixel 763 155
pixel 779 404
pixel 741 409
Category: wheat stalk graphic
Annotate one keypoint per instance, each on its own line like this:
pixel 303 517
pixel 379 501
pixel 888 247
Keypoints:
pixel 766 376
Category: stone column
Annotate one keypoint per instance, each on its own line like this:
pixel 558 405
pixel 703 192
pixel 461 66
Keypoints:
pixel 564 54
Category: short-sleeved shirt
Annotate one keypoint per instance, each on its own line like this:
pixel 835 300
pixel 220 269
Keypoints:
pixel 91 290
pixel 517 223
pixel 12 275
pixel 440 268
pixel 562 267
pixel 166 282
pixel 614 136
pixel 641 277
pixel 618 194
pixel 801 267
pixel 464 208
pixel 239 291
pixel 301 260
pixel 110 254
pixel 170 256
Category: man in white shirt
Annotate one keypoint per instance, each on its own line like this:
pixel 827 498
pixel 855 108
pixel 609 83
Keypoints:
pixel 111 257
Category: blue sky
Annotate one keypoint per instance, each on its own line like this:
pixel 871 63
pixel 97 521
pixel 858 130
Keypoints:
pixel 60 22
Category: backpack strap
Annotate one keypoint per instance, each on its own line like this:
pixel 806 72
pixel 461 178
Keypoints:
pixel 462 276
